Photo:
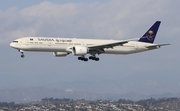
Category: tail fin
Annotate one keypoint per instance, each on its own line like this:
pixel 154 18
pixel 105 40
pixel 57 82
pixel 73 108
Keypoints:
pixel 150 35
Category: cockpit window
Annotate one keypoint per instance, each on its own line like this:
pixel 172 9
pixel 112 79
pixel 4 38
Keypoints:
pixel 15 41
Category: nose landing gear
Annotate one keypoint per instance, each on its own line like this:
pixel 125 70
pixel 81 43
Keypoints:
pixel 22 54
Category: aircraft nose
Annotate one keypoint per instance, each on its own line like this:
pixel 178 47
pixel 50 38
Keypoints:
pixel 11 44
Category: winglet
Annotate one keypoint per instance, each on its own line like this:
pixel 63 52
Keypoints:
pixel 150 35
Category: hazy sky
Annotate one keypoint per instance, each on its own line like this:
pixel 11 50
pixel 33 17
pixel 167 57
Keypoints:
pixel 153 72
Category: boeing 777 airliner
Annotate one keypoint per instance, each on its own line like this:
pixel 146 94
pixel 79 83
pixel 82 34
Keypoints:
pixel 81 47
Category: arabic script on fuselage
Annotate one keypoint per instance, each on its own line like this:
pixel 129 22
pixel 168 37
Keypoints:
pixel 52 39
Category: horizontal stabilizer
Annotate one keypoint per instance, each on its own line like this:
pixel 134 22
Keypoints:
pixel 156 45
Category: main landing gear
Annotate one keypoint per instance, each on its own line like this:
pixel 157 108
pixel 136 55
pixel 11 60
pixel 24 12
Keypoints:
pixel 83 58
pixel 90 57
pixel 94 58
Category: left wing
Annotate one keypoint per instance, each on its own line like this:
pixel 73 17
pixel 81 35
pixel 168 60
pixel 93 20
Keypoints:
pixel 98 49
pixel 110 45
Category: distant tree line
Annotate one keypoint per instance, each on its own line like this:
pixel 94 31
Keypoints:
pixel 5 104
pixel 156 102
pixel 125 101
pixel 151 101
pixel 57 101
pixel 145 102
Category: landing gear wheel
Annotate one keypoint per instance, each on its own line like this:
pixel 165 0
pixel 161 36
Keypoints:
pixel 82 58
pixel 22 56
pixel 90 57
pixel 85 59
pixel 94 58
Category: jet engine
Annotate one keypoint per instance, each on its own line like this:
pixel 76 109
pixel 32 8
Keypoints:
pixel 60 54
pixel 79 50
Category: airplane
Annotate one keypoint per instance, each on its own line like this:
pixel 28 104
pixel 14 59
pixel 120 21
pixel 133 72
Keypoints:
pixel 62 47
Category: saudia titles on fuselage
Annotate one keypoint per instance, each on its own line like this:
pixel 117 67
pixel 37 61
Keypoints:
pixel 57 40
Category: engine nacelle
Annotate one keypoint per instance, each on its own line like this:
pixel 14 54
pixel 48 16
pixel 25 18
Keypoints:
pixel 60 54
pixel 79 50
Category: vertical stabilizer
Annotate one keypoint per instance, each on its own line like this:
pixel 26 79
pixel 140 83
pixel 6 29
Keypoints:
pixel 150 35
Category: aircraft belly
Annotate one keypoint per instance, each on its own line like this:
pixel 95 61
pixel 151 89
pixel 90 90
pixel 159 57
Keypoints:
pixel 44 48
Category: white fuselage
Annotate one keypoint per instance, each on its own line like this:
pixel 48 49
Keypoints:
pixel 64 44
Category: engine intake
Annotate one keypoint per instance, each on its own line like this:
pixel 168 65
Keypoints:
pixel 79 50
